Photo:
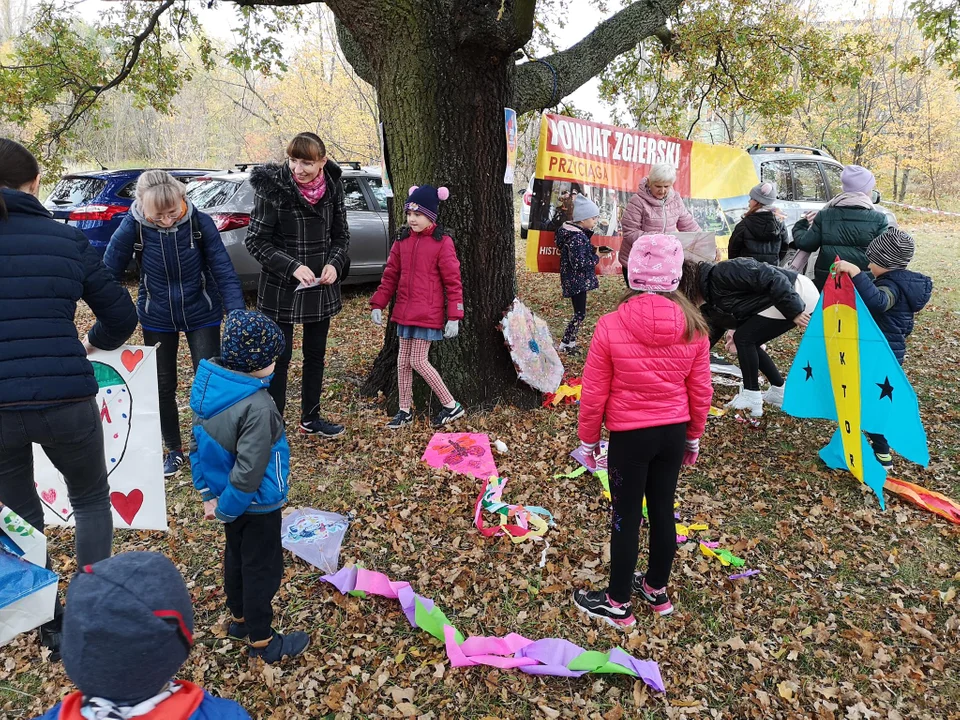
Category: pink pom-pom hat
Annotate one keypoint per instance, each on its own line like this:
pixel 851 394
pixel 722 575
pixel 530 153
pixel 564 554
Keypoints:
pixel 655 263
pixel 425 199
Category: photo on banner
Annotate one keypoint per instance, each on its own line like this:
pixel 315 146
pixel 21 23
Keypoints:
pixel 510 123
pixel 130 413
pixel 607 164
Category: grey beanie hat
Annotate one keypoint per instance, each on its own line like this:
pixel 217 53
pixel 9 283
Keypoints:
pixel 584 208
pixel 127 627
pixel 892 250
pixel 765 193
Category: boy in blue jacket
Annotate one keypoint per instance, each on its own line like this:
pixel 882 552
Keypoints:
pixel 127 629
pixel 893 296
pixel 240 461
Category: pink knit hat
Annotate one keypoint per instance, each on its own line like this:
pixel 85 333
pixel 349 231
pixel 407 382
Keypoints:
pixel 655 263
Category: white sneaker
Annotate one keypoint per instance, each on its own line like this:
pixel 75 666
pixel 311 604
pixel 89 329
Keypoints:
pixel 751 400
pixel 774 396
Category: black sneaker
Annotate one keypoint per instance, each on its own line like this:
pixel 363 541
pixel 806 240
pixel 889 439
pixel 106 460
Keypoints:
pixel 281 646
pixel 321 427
pixel 658 600
pixel 885 459
pixel 237 629
pixel 403 417
pixel 448 415
pixel 173 463
pixel 598 604
pixel 50 635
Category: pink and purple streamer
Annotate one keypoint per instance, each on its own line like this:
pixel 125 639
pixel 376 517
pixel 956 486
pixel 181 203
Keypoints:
pixel 550 656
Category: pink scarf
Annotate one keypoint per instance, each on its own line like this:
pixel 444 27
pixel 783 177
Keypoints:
pixel 313 190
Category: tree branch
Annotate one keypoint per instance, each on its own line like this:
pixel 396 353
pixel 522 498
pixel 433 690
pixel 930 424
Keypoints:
pixel 543 83
pixel 353 54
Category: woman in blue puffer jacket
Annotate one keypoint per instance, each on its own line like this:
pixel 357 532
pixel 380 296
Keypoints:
pixel 187 282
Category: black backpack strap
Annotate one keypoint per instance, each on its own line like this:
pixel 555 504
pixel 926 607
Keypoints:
pixel 138 248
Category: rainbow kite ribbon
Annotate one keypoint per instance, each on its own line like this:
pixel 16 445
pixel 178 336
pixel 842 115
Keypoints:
pixel 551 656
pixel 529 521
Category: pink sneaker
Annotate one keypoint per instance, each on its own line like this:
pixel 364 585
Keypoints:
pixel 658 599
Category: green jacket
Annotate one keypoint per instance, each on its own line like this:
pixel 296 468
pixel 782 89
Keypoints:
pixel 843 231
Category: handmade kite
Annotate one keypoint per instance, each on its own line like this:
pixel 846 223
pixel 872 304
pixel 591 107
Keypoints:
pixel 315 536
pixel 28 591
pixel 531 347
pixel 927 499
pixel 130 414
pixel 726 558
pixel 528 523
pixel 467 453
pixel 845 371
pixel 551 656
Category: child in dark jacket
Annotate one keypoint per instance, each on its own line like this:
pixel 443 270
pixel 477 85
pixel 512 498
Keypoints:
pixel 127 630
pixel 578 264
pixel 241 461
pixel 424 273
pixel 893 296
pixel 761 233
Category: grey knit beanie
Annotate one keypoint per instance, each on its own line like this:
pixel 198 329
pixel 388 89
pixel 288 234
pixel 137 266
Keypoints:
pixel 765 193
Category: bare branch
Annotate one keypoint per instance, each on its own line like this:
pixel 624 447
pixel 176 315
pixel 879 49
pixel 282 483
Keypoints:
pixel 353 54
pixel 544 82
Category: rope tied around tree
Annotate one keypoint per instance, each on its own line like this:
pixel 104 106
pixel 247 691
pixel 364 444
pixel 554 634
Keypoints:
pixel 556 83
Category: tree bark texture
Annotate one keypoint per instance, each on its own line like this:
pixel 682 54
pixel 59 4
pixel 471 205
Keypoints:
pixel 444 70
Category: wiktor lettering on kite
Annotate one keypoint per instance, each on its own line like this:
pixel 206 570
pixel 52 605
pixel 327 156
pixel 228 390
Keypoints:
pixel 845 371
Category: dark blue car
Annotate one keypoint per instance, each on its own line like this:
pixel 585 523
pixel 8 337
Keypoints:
pixel 97 201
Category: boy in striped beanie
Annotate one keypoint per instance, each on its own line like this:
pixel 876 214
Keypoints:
pixel 893 296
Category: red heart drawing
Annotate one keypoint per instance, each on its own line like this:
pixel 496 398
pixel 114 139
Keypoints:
pixel 127 505
pixel 49 495
pixel 131 359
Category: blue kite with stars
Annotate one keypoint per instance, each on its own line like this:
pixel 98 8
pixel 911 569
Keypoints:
pixel 845 371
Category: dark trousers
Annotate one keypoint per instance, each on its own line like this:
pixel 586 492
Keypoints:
pixel 314 352
pixel 879 443
pixel 748 337
pixel 579 302
pixel 253 569
pixel 626 277
pixel 204 344
pixel 71 435
pixel 643 462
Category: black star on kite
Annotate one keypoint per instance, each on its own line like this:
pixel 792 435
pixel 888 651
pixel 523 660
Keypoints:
pixel 809 371
pixel 886 389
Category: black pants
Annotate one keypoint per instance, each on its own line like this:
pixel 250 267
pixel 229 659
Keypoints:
pixel 204 344
pixel 748 337
pixel 643 462
pixel 253 569
pixel 579 302
pixel 626 277
pixel 879 443
pixel 314 353
pixel 71 435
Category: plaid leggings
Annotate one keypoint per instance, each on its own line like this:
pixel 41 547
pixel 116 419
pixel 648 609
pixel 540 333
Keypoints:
pixel 413 356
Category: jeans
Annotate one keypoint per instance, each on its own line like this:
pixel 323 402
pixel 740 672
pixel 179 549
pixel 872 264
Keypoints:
pixel 204 344
pixel 748 337
pixel 644 462
pixel 579 302
pixel 71 435
pixel 253 569
pixel 314 352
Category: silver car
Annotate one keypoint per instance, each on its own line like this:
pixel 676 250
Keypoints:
pixel 228 198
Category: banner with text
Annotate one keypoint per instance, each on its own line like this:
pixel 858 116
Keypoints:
pixel 607 164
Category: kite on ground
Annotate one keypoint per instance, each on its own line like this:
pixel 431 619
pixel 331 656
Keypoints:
pixel 927 499
pixel 467 453
pixel 529 522
pixel 531 347
pixel 845 371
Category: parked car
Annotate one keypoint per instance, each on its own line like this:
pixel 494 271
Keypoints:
pixel 96 202
pixel 227 197
pixel 525 209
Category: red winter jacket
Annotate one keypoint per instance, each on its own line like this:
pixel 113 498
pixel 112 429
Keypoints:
pixel 645 214
pixel 424 273
pixel 641 373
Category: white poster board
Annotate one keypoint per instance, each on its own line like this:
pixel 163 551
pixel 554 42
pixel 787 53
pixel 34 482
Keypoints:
pixel 28 591
pixel 130 413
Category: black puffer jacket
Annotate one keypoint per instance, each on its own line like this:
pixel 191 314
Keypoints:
pixel 760 235
pixel 286 232
pixel 743 287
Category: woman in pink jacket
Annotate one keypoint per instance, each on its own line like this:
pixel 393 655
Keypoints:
pixel 424 273
pixel 655 208
pixel 647 378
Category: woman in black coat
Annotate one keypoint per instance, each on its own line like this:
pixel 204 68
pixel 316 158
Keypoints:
pixel 761 233
pixel 758 301
pixel 299 235
pixel 48 389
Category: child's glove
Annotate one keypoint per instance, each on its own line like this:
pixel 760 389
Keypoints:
pixel 590 452
pixel 209 509
pixel 377 317
pixel 692 451
pixel 452 329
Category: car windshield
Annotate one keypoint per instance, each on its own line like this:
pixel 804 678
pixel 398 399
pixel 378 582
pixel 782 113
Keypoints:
pixel 76 190
pixel 212 192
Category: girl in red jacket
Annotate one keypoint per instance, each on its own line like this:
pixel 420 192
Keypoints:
pixel 424 273
pixel 647 378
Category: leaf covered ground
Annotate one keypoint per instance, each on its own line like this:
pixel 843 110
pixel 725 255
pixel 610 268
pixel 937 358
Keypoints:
pixel 854 615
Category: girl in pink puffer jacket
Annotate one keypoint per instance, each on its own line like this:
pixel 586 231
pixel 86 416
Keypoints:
pixel 655 208
pixel 647 377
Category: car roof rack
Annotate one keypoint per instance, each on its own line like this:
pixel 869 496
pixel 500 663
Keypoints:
pixel 777 147
pixel 350 164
